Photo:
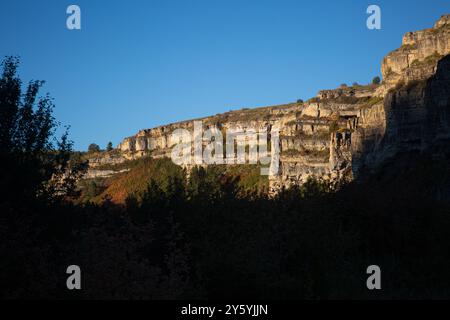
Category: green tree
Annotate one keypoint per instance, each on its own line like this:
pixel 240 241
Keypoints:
pixel 93 147
pixel 32 164
pixel 376 80
pixel 109 147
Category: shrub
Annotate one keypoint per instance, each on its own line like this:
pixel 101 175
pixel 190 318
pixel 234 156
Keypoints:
pixel 93 147
pixel 376 80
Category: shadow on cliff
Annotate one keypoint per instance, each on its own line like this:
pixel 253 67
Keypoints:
pixel 417 121
pixel 197 238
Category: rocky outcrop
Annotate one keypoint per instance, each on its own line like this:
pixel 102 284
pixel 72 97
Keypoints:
pixel 344 132
pixel 418 55
pixel 414 117
pixel 101 173
pixel 104 159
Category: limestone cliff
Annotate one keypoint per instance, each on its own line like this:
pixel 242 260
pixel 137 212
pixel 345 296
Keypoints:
pixel 344 132
pixel 418 55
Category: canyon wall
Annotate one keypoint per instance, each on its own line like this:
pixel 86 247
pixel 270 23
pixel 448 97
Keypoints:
pixel 341 133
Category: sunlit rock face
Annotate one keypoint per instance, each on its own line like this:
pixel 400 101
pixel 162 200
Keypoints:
pixel 418 55
pixel 344 132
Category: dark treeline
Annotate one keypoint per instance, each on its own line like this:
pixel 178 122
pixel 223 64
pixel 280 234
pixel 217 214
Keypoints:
pixel 201 237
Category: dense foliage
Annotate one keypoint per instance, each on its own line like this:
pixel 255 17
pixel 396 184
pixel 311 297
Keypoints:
pixel 201 236
pixel 93 147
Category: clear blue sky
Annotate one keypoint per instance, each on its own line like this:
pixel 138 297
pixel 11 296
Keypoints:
pixel 139 64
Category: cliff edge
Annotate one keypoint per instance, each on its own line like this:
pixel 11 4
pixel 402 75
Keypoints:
pixel 342 133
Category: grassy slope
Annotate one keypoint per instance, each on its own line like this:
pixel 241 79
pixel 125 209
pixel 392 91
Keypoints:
pixel 118 187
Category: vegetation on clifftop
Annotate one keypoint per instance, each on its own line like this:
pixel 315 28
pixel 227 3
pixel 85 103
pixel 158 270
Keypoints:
pixel 141 171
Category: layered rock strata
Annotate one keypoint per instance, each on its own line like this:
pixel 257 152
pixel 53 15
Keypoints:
pixel 342 133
